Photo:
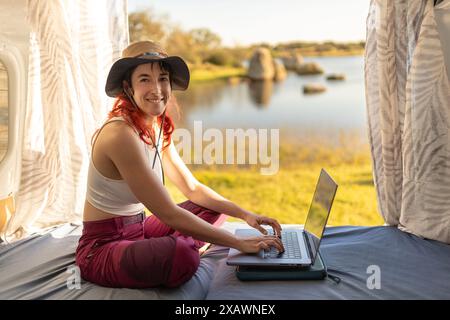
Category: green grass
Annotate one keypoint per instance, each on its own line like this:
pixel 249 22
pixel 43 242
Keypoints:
pixel 286 195
pixel 208 73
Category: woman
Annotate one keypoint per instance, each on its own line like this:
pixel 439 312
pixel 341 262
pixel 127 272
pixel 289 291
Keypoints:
pixel 119 247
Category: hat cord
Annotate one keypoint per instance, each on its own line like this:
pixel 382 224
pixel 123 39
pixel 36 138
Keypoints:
pixel 156 145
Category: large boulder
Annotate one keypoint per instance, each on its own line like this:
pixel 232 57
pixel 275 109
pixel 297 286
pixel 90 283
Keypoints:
pixel 309 68
pixel 292 61
pixel 261 65
pixel 280 71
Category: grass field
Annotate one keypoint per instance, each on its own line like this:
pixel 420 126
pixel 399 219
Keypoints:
pixel 286 195
pixel 215 73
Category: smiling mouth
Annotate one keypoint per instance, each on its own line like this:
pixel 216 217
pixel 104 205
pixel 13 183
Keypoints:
pixel 154 100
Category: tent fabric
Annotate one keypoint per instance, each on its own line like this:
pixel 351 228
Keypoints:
pixel 408 109
pixel 442 16
pixel 372 262
pixel 72 46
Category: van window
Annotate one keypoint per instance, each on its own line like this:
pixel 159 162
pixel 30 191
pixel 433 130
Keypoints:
pixel 3 111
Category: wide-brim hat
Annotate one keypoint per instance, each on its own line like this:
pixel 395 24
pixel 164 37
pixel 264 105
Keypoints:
pixel 146 52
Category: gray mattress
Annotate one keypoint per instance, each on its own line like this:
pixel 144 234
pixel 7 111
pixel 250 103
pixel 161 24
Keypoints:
pixel 410 268
pixel 39 267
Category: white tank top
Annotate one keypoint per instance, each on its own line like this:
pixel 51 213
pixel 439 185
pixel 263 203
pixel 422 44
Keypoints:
pixel 115 196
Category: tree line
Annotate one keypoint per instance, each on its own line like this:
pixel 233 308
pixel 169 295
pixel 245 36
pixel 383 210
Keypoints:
pixel 197 46
pixel 202 46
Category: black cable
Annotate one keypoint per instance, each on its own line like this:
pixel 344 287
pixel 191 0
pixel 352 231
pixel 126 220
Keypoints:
pixel 157 146
pixel 334 278
pixel 159 136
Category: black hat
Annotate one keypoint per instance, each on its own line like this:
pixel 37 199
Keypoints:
pixel 146 52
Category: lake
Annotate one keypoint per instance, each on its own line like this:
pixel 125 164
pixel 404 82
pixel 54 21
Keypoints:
pixel 283 105
pixel 274 105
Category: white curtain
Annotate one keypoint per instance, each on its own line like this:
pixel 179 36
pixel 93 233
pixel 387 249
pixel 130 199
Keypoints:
pixel 72 46
pixel 408 107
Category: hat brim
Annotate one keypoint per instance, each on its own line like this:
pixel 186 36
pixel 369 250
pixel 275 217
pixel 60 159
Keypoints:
pixel 179 73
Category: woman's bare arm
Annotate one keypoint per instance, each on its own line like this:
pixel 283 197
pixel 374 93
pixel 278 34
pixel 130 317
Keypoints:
pixel 202 195
pixel 127 153
pixel 192 189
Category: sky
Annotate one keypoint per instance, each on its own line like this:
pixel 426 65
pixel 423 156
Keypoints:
pixel 273 21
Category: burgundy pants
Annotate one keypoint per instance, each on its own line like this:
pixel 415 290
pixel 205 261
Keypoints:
pixel 134 252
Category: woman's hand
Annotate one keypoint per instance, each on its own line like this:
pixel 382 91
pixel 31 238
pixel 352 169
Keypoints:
pixel 255 244
pixel 255 221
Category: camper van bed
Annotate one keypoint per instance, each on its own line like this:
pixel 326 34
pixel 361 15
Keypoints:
pixel 409 268
pixel 41 267
pixel 372 263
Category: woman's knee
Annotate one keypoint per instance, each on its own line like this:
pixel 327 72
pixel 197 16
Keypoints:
pixel 147 263
pixel 185 261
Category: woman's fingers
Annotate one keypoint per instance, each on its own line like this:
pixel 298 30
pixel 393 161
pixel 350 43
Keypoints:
pixel 263 245
pixel 278 244
pixel 275 226
pixel 264 242
pixel 273 241
pixel 261 229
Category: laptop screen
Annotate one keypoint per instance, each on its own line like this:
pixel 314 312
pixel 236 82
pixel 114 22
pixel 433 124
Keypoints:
pixel 319 211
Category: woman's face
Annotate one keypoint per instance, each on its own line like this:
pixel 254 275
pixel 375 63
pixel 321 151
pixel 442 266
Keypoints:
pixel 151 86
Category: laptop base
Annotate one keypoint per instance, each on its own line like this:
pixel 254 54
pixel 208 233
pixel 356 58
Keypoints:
pixel 318 271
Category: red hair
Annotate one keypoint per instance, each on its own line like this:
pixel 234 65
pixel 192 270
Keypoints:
pixel 136 118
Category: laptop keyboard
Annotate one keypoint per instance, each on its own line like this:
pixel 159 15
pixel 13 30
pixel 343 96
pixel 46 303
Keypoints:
pixel 291 246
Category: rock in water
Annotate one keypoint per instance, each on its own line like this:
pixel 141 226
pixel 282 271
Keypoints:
pixel 261 65
pixel 336 76
pixel 292 61
pixel 280 71
pixel 312 88
pixel 309 68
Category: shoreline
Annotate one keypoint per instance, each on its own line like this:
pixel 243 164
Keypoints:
pixel 201 74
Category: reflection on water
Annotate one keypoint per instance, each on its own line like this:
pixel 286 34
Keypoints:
pixel 260 92
pixel 282 105
pixel 205 95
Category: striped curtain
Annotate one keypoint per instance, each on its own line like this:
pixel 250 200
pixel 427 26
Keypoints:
pixel 72 46
pixel 408 108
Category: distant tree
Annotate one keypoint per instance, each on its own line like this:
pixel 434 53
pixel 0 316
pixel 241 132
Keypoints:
pixel 181 43
pixel 232 57
pixel 204 42
pixel 262 45
pixel 145 26
pixel 219 58
pixel 197 46
pixel 239 54
pixel 205 38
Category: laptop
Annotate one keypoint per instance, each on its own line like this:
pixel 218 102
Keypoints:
pixel 301 244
